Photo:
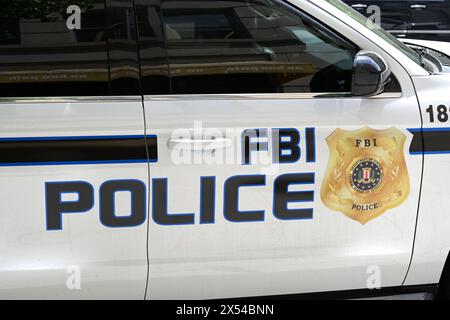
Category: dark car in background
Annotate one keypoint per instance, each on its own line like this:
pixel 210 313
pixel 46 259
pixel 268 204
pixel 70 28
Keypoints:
pixel 425 19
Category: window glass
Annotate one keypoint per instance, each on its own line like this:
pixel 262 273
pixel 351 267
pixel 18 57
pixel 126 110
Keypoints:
pixel 252 46
pixel 154 69
pixel 44 51
pixel 368 24
pixel 123 48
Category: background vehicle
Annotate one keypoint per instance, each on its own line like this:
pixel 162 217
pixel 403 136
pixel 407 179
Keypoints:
pixel 426 20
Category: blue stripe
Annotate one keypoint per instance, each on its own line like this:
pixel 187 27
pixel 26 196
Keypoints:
pixel 435 129
pixel 75 138
pixel 68 163
pixel 437 152
pixel 414 130
pixel 429 152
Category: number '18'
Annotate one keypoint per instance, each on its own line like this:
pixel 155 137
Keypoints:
pixel 442 113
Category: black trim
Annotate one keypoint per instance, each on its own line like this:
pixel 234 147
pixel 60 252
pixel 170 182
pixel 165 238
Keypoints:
pixel 353 294
pixel 435 141
pixel 77 150
pixel 444 283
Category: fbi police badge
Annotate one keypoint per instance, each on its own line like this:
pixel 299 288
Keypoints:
pixel 366 174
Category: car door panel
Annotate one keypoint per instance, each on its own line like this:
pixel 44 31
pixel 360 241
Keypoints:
pixel 202 249
pixel 38 262
pixel 326 253
pixel 67 127
pixel 432 241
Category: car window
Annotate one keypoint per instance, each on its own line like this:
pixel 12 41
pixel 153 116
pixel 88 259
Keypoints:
pixel 252 46
pixel 46 51
pixel 152 48
pixel 366 23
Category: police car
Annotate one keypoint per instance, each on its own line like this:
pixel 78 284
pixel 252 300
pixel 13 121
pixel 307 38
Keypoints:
pixel 206 149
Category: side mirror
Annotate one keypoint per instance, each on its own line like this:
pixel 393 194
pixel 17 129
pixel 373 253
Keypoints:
pixel 370 74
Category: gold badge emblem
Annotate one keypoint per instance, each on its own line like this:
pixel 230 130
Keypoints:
pixel 366 173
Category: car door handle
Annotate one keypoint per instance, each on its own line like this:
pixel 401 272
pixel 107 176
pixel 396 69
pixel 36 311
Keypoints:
pixel 199 144
pixel 418 6
pixel 359 6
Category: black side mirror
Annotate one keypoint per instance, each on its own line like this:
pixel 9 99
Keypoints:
pixel 370 74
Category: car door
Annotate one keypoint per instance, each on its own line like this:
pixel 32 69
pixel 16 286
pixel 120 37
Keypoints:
pixel 71 131
pixel 252 191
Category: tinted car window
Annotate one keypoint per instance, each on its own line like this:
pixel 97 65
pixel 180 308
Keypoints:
pixel 252 46
pixel 40 56
pixel 154 69
pixel 122 48
pixel 43 52
pixel 368 24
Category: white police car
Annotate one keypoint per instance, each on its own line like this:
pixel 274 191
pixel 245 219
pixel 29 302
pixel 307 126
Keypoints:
pixel 204 149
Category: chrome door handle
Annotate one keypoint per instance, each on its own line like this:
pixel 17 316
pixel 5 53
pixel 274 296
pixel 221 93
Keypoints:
pixel 418 6
pixel 199 144
pixel 359 6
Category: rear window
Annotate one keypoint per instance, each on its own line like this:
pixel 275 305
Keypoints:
pixel 66 48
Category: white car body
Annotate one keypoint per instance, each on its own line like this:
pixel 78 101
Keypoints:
pixel 406 245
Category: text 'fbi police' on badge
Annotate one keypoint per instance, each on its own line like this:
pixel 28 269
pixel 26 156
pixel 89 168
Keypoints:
pixel 283 146
pixel 366 173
